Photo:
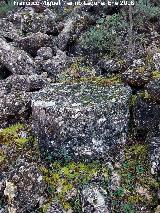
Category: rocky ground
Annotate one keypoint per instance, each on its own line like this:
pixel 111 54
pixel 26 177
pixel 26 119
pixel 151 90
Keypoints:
pixel 80 109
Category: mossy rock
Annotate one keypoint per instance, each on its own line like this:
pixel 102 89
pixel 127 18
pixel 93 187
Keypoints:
pixel 156 74
pixel 65 180
pixel 15 140
pixel 135 172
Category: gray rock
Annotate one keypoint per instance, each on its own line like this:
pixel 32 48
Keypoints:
pixel 108 67
pixel 72 28
pixel 81 121
pixel 154 147
pixel 45 53
pixel 136 77
pixel 36 22
pixel 56 64
pixel 146 115
pixel 153 88
pixel 33 42
pixel 115 181
pixel 8 30
pixel 24 187
pixel 15 60
pixel 65 35
pixel 16 19
pixel 138 63
pixel 56 208
pixel 28 83
pixel 94 199
pixel 156 60
pixel 5 89
pixel 14 107
pixel 2 210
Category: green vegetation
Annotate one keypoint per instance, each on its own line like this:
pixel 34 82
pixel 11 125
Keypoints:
pixel 76 70
pixel 63 180
pixel 138 187
pixel 110 32
pixel 12 134
pixel 136 180
pixel 145 95
pixel 4 8
pixel 104 37
pixel 102 81
pixel 145 8
pixel 156 74
pixel 133 100
pixel 80 72
pixel 14 141
pixel 128 208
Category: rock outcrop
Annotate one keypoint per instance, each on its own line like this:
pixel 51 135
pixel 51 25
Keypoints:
pixel 14 107
pixel 81 121
pixel 23 187
pixel 28 83
pixel 32 43
pixel 90 141
pixel 15 60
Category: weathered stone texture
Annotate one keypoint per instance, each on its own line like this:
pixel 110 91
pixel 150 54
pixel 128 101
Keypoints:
pixel 15 60
pixel 14 107
pixel 146 115
pixel 81 121
pixel 154 145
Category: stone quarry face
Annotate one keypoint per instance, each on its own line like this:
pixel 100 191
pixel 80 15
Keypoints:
pixel 74 122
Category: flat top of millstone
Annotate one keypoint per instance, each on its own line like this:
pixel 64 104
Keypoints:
pixel 80 95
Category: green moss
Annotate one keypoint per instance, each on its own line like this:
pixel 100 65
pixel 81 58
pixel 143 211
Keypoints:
pixel 135 198
pixel 77 69
pixel 12 129
pixel 12 134
pixel 2 157
pixel 141 70
pixel 145 95
pixel 45 207
pixel 15 141
pixel 121 62
pixel 135 172
pixel 156 74
pixel 82 72
pixel 62 179
pixel 149 59
pixel 133 100
pixel 100 81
